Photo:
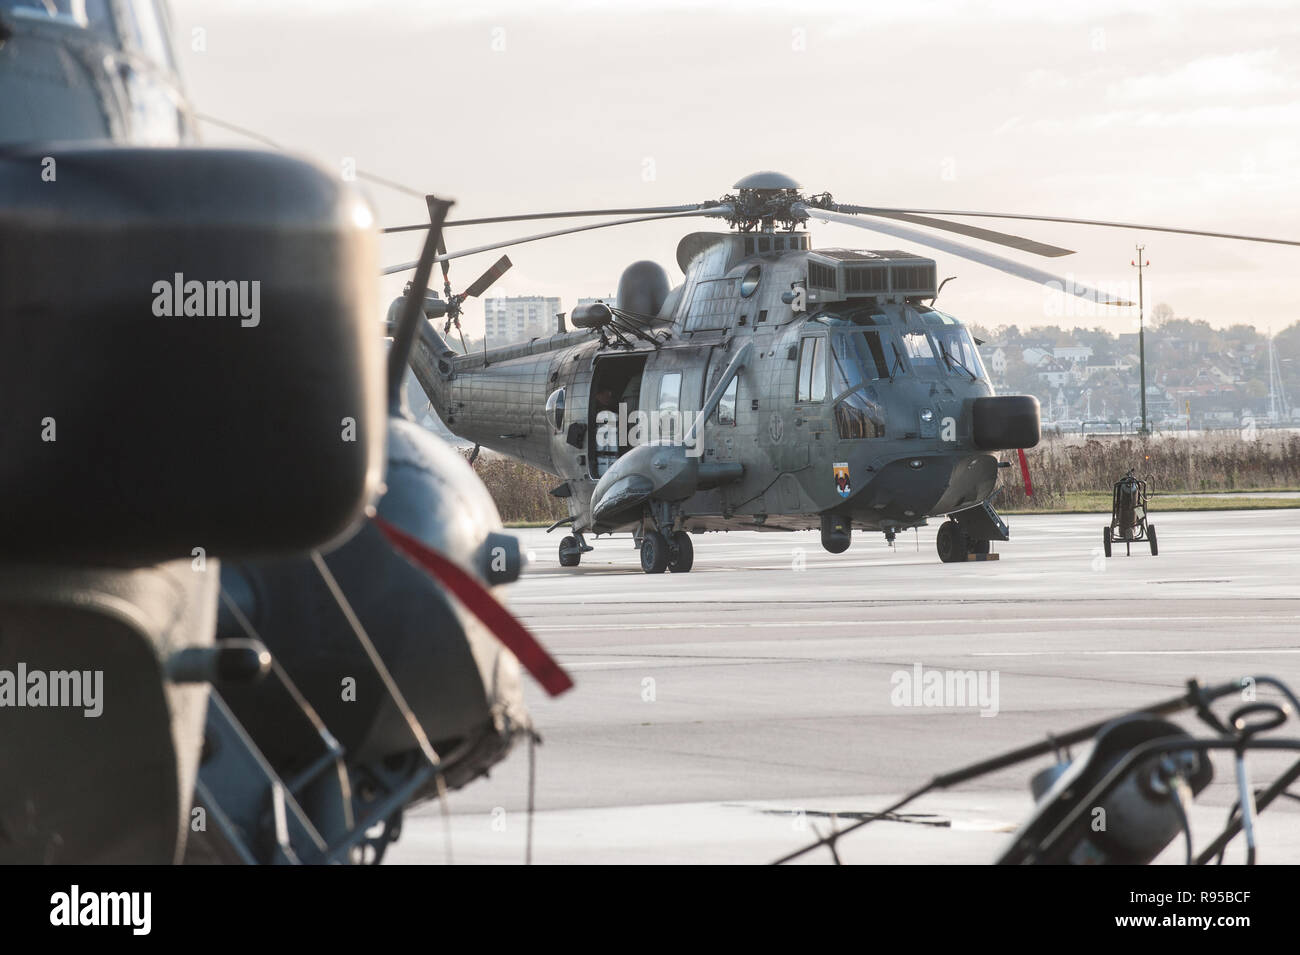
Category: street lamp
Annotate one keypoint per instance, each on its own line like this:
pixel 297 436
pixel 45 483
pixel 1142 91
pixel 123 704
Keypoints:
pixel 1141 263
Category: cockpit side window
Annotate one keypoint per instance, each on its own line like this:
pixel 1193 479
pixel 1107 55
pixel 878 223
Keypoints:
pixel 857 357
pixel 812 369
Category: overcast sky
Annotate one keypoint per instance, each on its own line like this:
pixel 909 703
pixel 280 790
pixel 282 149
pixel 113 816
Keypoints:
pixel 1184 114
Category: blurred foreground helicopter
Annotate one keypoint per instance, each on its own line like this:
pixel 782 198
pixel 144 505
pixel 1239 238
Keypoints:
pixel 1137 777
pixel 779 387
pixel 201 417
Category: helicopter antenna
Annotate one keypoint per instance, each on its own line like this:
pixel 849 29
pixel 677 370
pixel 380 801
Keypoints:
pixel 939 290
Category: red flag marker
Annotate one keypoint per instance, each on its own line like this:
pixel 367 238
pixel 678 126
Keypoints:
pixel 469 591
pixel 1024 472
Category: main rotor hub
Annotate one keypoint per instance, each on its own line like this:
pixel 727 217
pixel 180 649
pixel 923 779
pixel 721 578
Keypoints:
pixel 765 201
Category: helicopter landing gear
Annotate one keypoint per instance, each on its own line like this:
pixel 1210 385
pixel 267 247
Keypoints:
pixel 660 553
pixel 683 556
pixel 572 548
pixel 837 533
pixel 951 542
pixel 654 552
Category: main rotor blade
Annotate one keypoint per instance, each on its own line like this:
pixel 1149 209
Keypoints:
pixel 711 211
pixel 572 214
pixel 1101 222
pixel 1017 269
pixel 974 232
pixel 484 282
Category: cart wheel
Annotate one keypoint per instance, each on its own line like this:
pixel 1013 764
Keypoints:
pixel 1151 536
pixel 1105 540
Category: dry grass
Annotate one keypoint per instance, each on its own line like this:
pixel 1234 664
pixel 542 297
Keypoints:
pixel 521 492
pixel 1169 465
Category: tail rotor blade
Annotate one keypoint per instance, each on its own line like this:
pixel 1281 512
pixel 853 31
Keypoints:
pixel 485 281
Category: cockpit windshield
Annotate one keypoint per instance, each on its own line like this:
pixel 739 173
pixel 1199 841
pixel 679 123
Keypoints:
pixel 858 357
pixel 957 352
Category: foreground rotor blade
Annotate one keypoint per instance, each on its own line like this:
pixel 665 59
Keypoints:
pixel 432 202
pixel 399 352
pixel 480 602
pixel 1113 225
pixel 974 232
pixel 572 214
pixel 966 252
pixel 711 211
pixel 484 281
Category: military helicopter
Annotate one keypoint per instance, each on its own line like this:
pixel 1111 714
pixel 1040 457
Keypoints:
pixel 779 387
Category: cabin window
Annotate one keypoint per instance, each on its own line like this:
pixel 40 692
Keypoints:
pixel 670 392
pixel 555 409
pixel 727 406
pixel 812 369
pixel 749 284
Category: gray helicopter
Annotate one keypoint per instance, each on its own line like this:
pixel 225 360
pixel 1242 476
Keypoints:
pixel 779 387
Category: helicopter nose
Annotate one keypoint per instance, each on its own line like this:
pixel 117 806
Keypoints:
pixel 1003 422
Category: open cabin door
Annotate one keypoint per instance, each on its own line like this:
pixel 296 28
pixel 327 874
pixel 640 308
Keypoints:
pixel 615 394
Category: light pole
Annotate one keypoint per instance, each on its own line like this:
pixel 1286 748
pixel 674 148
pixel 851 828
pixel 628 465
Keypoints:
pixel 1142 348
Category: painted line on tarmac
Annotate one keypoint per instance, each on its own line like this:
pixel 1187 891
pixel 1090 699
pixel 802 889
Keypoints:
pixel 1003 623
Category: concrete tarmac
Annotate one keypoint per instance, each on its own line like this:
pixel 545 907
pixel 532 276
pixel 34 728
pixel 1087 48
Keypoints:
pixel 728 714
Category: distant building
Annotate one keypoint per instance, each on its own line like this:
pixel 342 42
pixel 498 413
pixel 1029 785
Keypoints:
pixel 519 318
pixel 998 362
pixel 1072 353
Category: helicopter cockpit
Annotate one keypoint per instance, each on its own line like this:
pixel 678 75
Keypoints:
pixel 876 345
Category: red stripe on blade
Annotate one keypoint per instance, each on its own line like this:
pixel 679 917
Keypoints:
pixel 470 592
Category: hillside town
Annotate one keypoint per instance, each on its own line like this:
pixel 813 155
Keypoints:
pixel 1197 376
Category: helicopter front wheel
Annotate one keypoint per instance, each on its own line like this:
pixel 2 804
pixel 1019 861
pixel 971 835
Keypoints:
pixel 951 542
pixel 654 552
pixel 683 553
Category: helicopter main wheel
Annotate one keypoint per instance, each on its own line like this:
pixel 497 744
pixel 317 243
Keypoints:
pixel 1151 536
pixel 951 543
pixel 570 552
pixel 654 553
pixel 684 553
pixel 1105 540
pixel 978 547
